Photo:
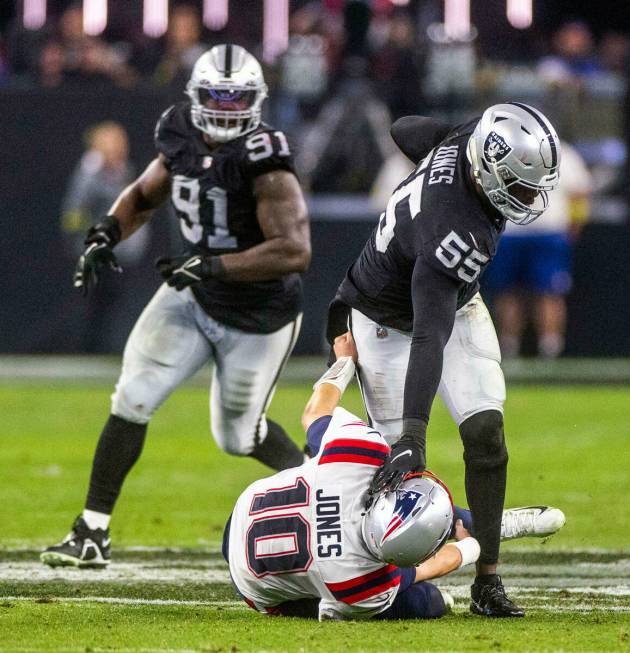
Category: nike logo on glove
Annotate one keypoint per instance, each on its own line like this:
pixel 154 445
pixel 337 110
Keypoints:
pixel 188 266
pixel 404 453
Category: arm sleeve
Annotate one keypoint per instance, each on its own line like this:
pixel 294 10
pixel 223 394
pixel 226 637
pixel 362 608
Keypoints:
pixel 316 432
pixel 415 136
pixel 434 296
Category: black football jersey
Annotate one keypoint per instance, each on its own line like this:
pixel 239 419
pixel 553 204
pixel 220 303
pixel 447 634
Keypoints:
pixel 436 214
pixel 212 194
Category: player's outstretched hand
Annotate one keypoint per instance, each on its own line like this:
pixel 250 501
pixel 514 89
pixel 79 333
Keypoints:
pixel 344 346
pixel 95 258
pixel 405 456
pixel 98 254
pixel 180 272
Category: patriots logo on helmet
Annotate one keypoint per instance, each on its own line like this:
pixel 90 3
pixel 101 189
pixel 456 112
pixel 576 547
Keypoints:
pixel 406 501
pixel 495 148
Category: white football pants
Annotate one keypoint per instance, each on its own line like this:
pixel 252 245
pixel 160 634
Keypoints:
pixel 472 380
pixel 173 338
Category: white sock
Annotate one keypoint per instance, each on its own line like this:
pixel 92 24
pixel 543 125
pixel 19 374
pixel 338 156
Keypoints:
pixel 449 601
pixel 96 520
pixel 550 345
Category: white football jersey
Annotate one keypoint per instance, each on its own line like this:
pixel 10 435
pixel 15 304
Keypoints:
pixel 297 534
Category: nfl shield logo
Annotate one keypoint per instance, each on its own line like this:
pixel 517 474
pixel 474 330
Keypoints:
pixel 495 148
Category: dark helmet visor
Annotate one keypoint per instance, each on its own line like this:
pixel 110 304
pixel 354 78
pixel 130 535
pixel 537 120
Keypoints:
pixel 222 99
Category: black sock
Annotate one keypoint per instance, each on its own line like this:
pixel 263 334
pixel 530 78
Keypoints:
pixel 485 490
pixel 277 450
pixel 487 579
pixel 486 472
pixel 117 450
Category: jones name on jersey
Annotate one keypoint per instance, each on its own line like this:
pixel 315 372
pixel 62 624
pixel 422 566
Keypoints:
pixel 212 194
pixel 434 214
pixel 297 535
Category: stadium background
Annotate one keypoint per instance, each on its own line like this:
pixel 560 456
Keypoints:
pixel 330 70
pixel 168 589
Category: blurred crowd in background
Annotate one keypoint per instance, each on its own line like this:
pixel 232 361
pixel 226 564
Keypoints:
pixel 382 58
pixel 347 69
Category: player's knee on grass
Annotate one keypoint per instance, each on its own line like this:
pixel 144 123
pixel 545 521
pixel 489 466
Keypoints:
pixel 135 400
pixel 419 601
pixel 484 440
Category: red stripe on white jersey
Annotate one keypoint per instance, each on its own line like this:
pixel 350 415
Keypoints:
pixel 350 458
pixel 373 591
pixel 353 582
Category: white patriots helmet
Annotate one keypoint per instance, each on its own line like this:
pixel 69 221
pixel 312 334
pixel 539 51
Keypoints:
pixel 227 89
pixel 515 157
pixel 409 525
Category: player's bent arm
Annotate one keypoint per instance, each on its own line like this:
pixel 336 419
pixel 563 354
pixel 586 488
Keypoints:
pixel 328 389
pixel 416 136
pixel 449 558
pixel 322 402
pixel 283 218
pixel 134 206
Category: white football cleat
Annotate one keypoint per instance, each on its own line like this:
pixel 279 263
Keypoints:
pixel 449 601
pixel 531 521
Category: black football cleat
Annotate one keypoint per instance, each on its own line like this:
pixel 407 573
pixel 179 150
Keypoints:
pixel 83 547
pixel 490 600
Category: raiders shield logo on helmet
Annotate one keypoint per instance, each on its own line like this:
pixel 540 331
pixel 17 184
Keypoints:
pixel 495 148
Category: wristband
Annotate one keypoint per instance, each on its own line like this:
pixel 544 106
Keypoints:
pixel 414 428
pixel 339 375
pixel 108 228
pixel 470 550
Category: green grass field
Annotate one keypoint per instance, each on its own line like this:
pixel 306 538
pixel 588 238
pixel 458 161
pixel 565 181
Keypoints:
pixel 168 588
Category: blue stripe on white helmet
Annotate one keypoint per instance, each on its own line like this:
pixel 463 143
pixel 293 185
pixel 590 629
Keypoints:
pixel 407 526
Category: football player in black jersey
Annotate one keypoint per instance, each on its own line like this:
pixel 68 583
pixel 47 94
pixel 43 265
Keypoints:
pixel 415 312
pixel 234 296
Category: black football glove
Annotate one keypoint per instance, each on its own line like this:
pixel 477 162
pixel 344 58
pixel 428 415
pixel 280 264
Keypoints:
pixel 407 455
pixel 98 253
pixel 180 272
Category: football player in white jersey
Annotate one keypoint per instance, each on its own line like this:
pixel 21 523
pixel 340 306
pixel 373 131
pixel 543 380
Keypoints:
pixel 302 543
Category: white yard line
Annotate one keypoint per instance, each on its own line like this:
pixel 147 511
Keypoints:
pixel 29 547
pixel 542 587
pixel 232 605
pixel 237 605
pixel 120 572
pixel 551 593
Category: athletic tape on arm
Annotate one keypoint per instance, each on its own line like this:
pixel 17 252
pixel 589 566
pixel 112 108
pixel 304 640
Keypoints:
pixel 470 550
pixel 339 375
